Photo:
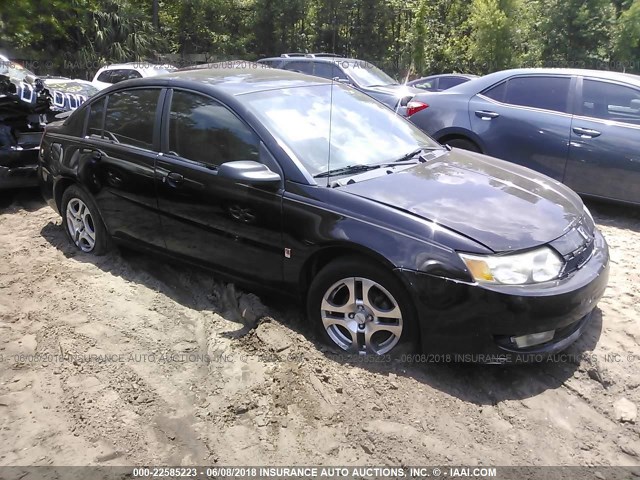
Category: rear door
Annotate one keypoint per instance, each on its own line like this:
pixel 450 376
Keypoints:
pixel 121 146
pixel 232 226
pixel 526 120
pixel 604 155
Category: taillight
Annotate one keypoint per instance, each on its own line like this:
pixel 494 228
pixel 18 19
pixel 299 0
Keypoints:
pixel 414 107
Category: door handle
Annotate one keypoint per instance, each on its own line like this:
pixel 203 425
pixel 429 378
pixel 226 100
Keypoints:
pixel 173 179
pixel 486 115
pixel 586 132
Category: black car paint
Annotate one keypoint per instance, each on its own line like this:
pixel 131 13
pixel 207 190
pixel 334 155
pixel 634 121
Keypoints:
pixel 299 226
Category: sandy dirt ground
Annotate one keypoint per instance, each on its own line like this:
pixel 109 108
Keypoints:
pixel 127 360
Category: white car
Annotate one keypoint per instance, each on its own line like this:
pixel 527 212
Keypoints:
pixel 111 74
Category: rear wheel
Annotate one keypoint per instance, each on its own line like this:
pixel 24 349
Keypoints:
pixel 362 308
pixel 82 222
pixel 464 144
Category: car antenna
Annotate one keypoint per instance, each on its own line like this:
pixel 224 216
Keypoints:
pixel 330 120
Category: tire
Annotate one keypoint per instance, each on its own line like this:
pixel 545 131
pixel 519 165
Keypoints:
pixel 360 331
pixel 82 222
pixel 464 144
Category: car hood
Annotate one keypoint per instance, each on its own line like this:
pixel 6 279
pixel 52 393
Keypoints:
pixel 68 94
pixel 503 206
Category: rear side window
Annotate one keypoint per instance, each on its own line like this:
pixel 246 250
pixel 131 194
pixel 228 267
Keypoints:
pixel 302 67
pixel 124 74
pixel 105 76
pixel 448 82
pixel 203 130
pixel 94 125
pixel 549 93
pixel 131 116
pixel 610 101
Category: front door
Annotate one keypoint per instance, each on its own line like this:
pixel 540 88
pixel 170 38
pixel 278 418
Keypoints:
pixel 526 120
pixel 604 155
pixel 232 226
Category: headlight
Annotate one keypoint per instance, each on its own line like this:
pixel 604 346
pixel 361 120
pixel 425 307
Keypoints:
pixel 535 266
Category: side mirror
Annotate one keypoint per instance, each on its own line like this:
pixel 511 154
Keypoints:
pixel 346 81
pixel 249 172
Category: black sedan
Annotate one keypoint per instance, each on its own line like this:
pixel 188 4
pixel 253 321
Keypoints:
pixel 301 185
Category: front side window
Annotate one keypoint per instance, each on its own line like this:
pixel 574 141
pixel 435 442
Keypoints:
pixel 327 131
pixel 131 116
pixel 328 70
pixel 610 101
pixel 203 130
pixel 548 93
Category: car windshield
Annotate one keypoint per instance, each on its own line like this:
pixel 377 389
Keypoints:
pixel 365 74
pixel 362 130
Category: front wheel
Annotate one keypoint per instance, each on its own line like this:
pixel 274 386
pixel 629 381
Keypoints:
pixel 362 308
pixel 82 222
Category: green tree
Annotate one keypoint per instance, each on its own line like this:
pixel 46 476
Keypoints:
pixel 627 38
pixel 492 34
pixel 576 33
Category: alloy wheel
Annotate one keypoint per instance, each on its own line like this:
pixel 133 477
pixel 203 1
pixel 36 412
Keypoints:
pixel 360 315
pixel 80 225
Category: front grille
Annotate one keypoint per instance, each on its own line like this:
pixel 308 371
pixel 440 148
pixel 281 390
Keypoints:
pixel 579 257
pixel 577 245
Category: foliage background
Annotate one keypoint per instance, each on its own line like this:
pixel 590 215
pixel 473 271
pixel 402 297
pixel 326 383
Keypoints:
pixel 404 37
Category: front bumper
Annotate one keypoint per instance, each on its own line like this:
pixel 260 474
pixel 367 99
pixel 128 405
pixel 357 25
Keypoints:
pixel 462 318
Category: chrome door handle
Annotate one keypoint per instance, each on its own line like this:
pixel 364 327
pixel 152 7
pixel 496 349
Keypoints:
pixel 586 132
pixel 486 115
pixel 173 179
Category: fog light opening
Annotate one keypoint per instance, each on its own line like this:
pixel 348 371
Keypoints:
pixel 525 341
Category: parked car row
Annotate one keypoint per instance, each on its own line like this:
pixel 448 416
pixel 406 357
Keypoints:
pixel 309 186
pixel 359 74
pixel 580 127
pixel 28 102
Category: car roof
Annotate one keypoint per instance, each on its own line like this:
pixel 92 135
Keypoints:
pixel 225 65
pixel 321 58
pixel 135 66
pixel 479 84
pixel 232 81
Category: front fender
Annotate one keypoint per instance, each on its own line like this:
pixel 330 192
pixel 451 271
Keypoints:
pixel 353 225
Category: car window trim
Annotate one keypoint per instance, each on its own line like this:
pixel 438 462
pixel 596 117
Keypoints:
pixel 580 100
pixel 156 131
pixel 89 107
pixel 164 128
pixel 570 101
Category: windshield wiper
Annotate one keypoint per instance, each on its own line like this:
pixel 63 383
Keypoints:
pixel 417 151
pixel 347 170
